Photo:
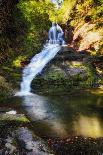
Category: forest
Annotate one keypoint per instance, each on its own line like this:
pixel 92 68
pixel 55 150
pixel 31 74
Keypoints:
pixel 51 77
pixel 24 29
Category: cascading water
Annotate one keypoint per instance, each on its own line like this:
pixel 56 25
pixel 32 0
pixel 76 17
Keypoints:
pixel 36 65
pixel 39 61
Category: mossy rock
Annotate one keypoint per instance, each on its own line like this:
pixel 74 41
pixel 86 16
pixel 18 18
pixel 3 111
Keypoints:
pixel 55 73
pixel 5 88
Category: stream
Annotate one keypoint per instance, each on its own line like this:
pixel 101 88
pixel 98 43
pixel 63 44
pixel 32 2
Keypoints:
pixel 79 114
pixel 66 123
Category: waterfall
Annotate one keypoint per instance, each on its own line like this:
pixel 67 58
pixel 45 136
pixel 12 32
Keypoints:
pixel 39 61
pixel 36 65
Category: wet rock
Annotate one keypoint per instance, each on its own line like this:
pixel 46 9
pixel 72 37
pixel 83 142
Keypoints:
pixel 9 140
pixel 31 144
pixel 76 70
pixel 55 73
pixel 65 72
pixel 9 146
pixel 11 149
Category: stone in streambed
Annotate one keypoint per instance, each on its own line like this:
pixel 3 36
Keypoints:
pixel 11 149
pixel 31 144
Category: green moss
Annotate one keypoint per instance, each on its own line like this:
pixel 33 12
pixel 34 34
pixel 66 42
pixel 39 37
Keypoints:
pixel 17 61
pixel 18 117
pixel 31 22
pixel 55 75
pixel 5 88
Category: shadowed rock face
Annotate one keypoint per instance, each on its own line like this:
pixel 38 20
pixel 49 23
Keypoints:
pixel 6 11
pixel 70 67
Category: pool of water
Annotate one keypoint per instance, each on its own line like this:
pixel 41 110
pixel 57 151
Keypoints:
pixel 78 114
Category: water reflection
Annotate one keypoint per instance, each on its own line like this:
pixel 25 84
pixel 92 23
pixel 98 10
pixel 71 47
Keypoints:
pixel 65 116
pixel 62 115
pixel 40 110
pixel 88 126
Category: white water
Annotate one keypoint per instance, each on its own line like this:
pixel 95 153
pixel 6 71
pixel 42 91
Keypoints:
pixel 39 61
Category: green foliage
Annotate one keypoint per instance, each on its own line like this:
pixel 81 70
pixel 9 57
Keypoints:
pixel 92 8
pixel 61 15
pixel 35 12
pixel 55 75
pixel 17 61
pixel 35 20
pixel 92 74
pixel 32 20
